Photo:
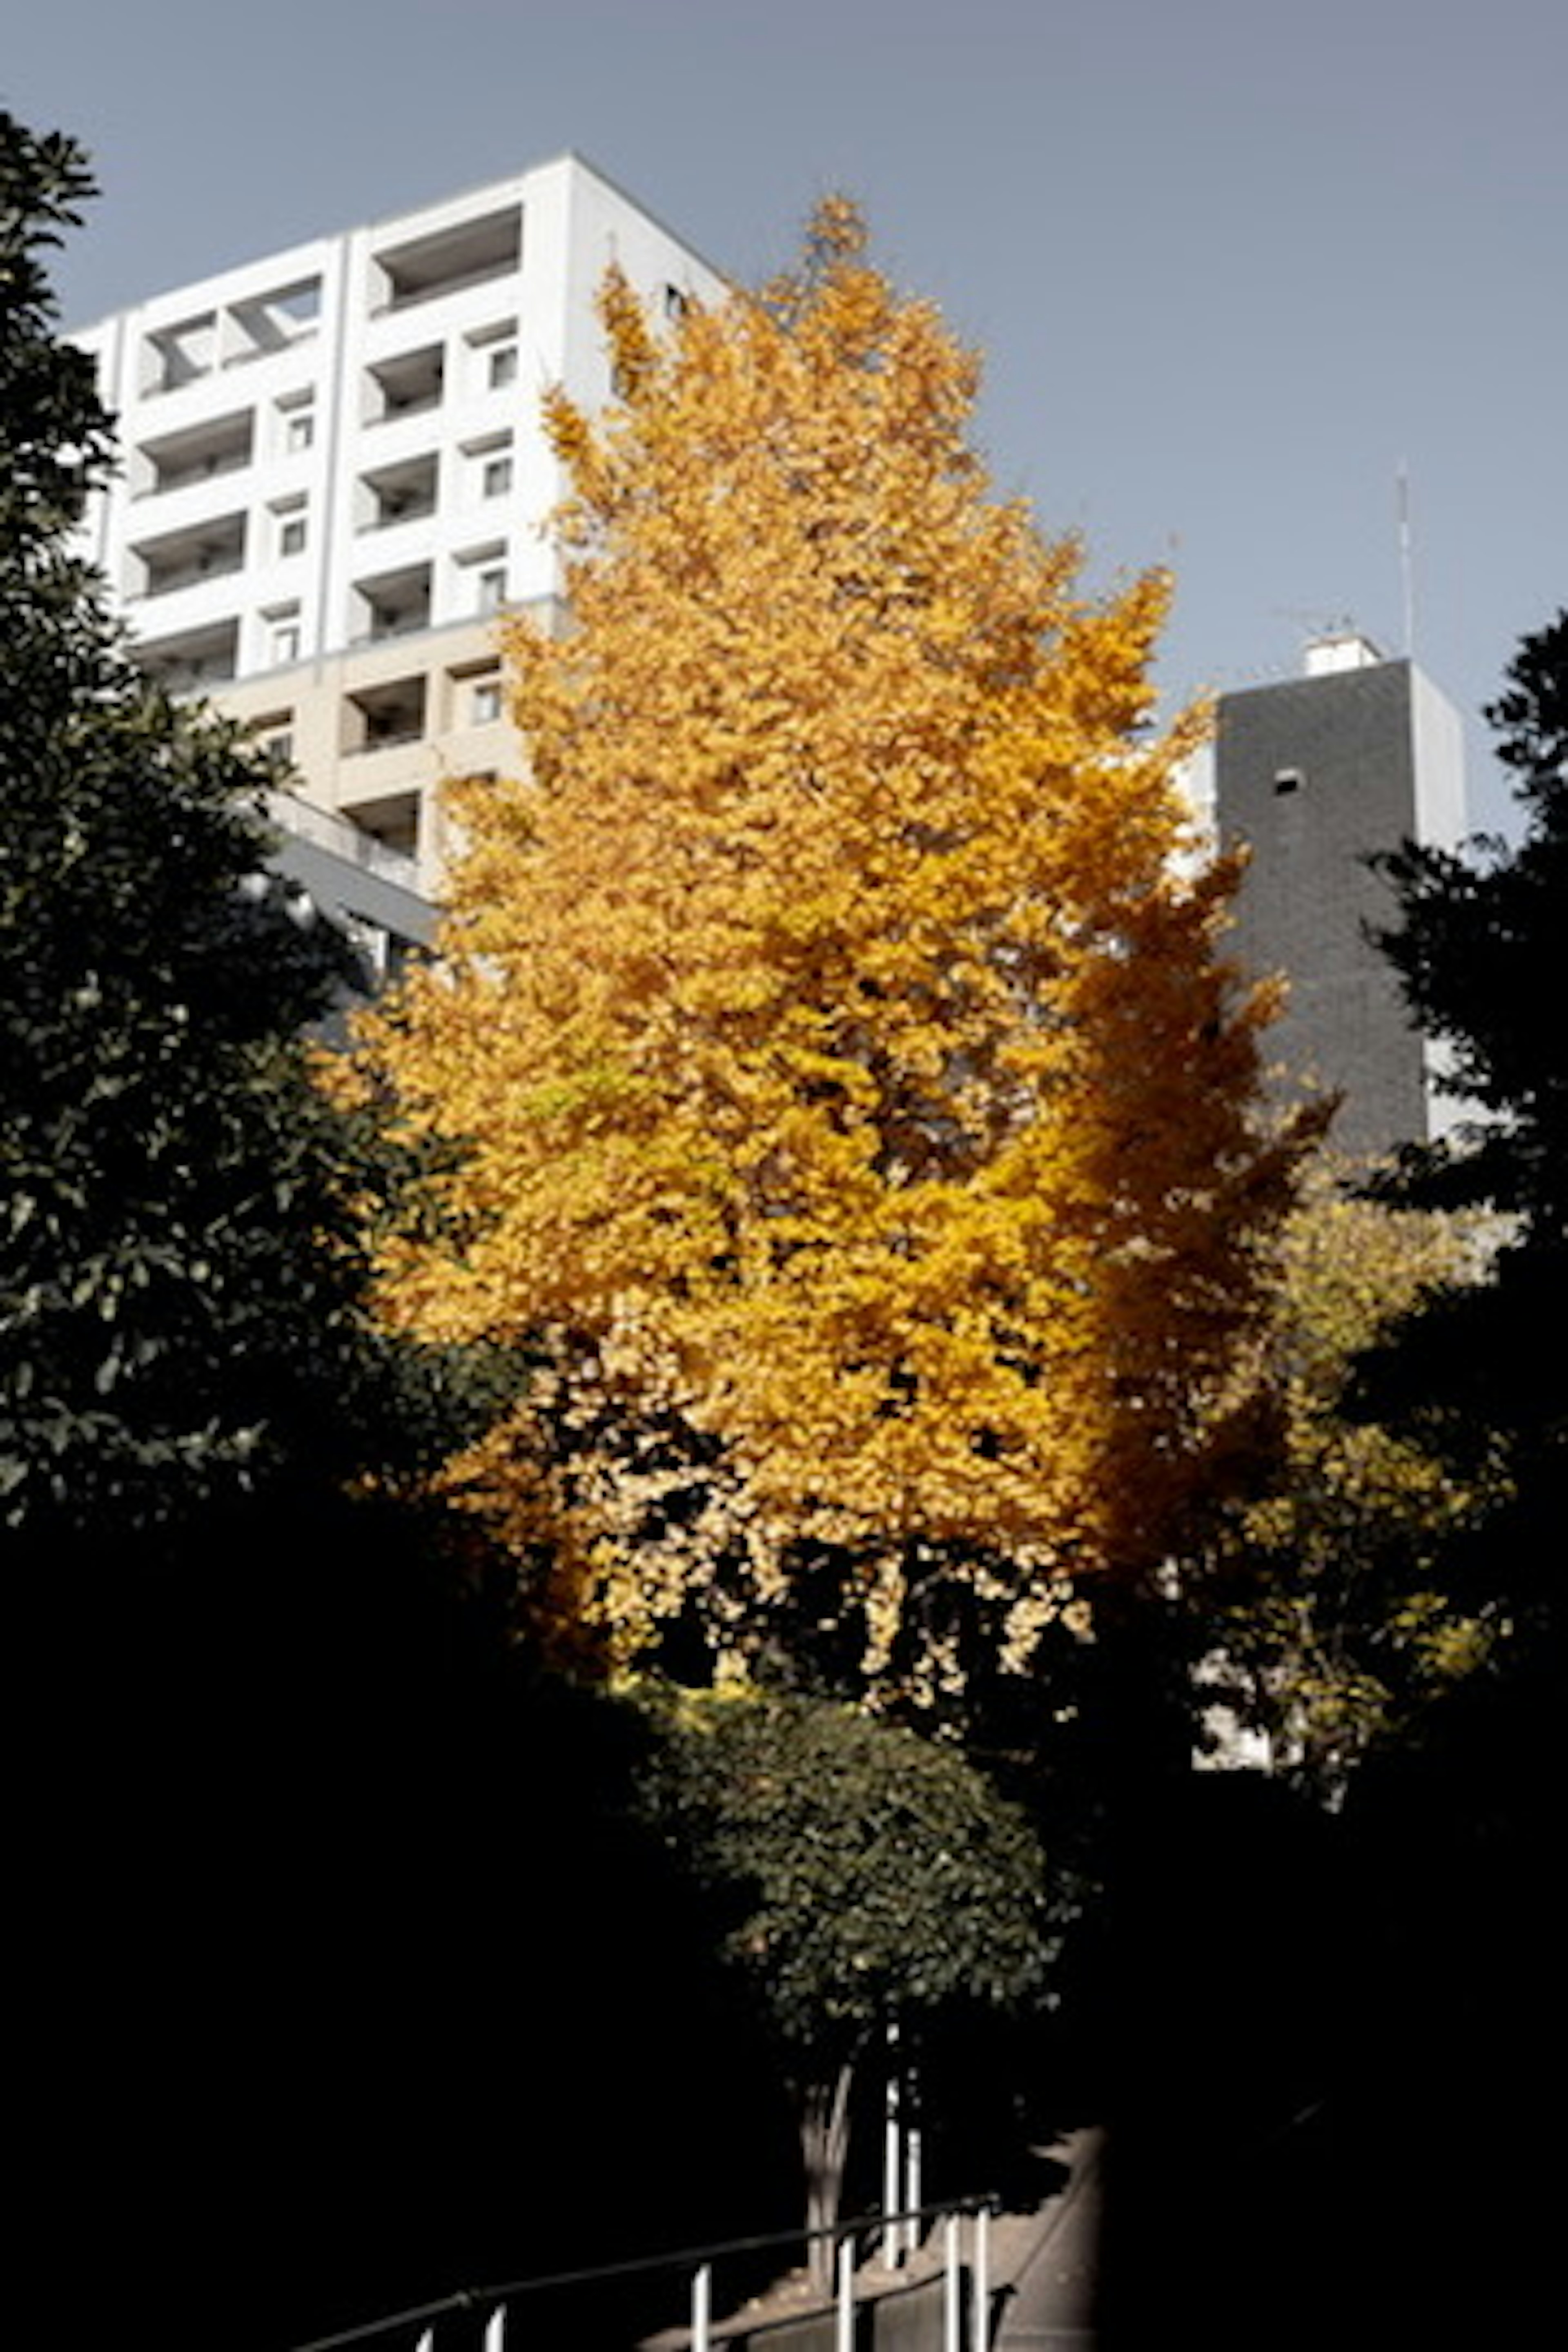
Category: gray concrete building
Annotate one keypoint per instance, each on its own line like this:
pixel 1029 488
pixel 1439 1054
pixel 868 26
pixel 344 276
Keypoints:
pixel 1315 774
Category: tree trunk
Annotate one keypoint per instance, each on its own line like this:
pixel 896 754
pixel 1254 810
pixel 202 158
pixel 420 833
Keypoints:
pixel 825 2145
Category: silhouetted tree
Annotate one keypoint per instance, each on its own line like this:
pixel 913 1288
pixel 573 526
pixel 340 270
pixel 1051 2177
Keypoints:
pixel 182 1261
pixel 1479 1373
pixel 862 1875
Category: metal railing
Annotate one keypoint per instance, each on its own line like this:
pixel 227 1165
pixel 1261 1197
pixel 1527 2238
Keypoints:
pixel 851 2287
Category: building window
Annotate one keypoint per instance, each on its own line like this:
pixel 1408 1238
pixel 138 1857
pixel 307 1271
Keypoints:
pixel 502 366
pixel 479 578
pixel 484 703
pixel 296 422
pixel 487 469
pixel 290 523
pixel 274 734
pixel 283 634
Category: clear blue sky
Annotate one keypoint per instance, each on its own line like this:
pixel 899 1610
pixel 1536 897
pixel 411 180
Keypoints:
pixel 1231 261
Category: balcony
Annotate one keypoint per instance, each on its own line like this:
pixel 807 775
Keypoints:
pixel 394 494
pixel 375 717
pixel 447 262
pixel 404 385
pixel 391 819
pixel 394 605
pixel 174 356
pixel 193 659
pixel 176 461
pixel 209 550
pixel 270 322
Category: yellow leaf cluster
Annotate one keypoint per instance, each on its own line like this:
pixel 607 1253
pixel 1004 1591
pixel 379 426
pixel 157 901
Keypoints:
pixel 857 1105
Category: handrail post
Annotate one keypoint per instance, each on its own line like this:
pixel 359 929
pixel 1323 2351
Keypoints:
pixel 702 2308
pixel 913 2181
pixel 495 2330
pixel 980 2281
pixel 844 2331
pixel 892 2153
pixel 951 2284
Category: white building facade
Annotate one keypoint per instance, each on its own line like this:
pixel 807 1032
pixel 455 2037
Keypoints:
pixel 333 476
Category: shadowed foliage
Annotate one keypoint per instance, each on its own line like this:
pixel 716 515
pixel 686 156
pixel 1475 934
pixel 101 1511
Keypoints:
pixel 183 1259
pixel 860 1877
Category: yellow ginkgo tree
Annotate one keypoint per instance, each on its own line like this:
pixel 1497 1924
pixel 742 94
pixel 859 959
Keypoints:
pixel 855 1110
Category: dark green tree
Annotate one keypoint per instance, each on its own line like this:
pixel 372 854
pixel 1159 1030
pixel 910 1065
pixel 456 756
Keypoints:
pixel 1479 1373
pixel 254 1725
pixel 182 1272
pixel 1456 1831
pixel 860 1875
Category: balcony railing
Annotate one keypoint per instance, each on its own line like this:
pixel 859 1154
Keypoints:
pixel 343 839
pixel 389 519
pixel 388 742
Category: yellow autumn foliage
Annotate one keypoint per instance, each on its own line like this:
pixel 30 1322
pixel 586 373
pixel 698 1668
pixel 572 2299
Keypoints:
pixel 857 1110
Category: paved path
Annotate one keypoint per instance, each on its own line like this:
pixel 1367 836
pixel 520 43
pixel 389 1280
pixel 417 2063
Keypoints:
pixel 1044 2266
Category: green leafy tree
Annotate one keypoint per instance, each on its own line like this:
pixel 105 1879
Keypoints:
pixel 862 1875
pixel 181 1256
pixel 1322 1605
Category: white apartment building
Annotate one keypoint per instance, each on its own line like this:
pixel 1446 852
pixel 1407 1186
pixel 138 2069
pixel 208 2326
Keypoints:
pixel 333 478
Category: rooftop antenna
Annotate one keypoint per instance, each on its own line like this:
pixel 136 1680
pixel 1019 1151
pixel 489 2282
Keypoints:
pixel 1321 622
pixel 1318 625
pixel 1406 559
